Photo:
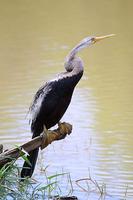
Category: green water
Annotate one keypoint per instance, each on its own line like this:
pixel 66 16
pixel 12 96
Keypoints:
pixel 35 37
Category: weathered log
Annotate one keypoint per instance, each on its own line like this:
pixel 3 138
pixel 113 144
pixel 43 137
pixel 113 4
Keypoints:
pixel 41 141
pixel 66 198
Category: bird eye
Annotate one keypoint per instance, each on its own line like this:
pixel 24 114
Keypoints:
pixel 93 40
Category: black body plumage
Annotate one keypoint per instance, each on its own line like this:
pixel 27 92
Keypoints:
pixel 49 105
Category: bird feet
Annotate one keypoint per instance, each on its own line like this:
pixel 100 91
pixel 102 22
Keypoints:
pixel 64 129
pixel 45 136
pixel 48 136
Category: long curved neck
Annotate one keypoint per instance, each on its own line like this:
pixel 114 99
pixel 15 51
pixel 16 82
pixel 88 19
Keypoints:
pixel 72 75
pixel 74 66
pixel 77 66
pixel 74 71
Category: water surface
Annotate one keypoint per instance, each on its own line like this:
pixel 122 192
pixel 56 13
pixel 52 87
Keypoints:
pixel 35 37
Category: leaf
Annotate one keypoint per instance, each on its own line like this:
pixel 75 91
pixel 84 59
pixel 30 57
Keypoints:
pixel 26 160
pixel 47 186
pixel 22 150
pixel 56 175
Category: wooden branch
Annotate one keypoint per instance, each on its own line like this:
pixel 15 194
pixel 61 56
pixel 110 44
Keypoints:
pixel 41 141
pixel 66 198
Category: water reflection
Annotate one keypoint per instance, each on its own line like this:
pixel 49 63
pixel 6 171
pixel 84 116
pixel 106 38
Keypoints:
pixel 35 38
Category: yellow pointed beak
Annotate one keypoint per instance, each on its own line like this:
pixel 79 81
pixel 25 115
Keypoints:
pixel 96 39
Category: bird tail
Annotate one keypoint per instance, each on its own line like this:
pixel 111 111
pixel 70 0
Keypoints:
pixel 28 168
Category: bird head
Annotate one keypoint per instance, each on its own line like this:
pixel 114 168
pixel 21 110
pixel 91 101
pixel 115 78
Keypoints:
pixel 86 42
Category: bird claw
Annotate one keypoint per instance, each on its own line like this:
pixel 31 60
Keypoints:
pixel 64 129
pixel 50 135
pixel 44 137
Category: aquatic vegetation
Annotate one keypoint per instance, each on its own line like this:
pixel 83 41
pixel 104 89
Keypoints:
pixel 11 186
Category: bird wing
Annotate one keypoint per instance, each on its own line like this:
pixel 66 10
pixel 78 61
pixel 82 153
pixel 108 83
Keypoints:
pixel 37 100
pixel 52 99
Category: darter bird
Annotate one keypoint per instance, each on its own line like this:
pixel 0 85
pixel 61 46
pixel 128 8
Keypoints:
pixel 52 99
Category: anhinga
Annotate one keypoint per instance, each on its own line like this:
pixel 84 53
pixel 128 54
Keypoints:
pixel 52 99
